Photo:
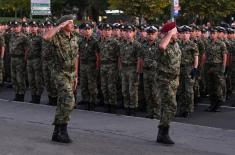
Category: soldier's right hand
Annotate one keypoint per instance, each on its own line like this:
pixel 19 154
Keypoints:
pixel 62 25
pixel 173 31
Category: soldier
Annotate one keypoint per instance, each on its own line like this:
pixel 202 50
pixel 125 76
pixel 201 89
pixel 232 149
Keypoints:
pixel 196 38
pixel 19 46
pixel 188 72
pixel 167 80
pixel 231 48
pixel 129 57
pixel 25 28
pixel 47 50
pixel 147 58
pixel 109 54
pixel 142 37
pixel 215 64
pixel 7 58
pixel 2 50
pixel 34 64
pixel 89 64
pixel 65 57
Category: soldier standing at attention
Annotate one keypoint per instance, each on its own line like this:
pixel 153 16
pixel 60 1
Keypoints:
pixel 215 59
pixel 19 46
pixel 47 50
pixel 128 58
pixel 89 65
pixel 167 80
pixel 2 50
pixel 34 64
pixel 147 58
pixel 188 72
pixel 109 54
pixel 65 57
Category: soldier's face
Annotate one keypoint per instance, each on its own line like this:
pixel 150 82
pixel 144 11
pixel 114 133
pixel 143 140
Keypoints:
pixel 69 27
pixel 116 32
pixel 143 34
pixel 186 35
pixel 214 35
pixel 108 32
pixel 152 36
pixel 17 29
pixel 88 32
pixel 130 34
pixel 34 29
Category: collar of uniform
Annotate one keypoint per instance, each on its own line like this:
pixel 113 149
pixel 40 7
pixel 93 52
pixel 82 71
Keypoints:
pixel 63 34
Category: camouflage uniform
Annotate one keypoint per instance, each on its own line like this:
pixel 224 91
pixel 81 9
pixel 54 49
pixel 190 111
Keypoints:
pixel 199 85
pixel 34 65
pixel 109 52
pixel 2 44
pixel 7 57
pixel 231 48
pixel 233 66
pixel 129 55
pixel 185 92
pixel 19 44
pixel 149 54
pixel 88 50
pixel 47 50
pixel 167 82
pixel 215 79
pixel 63 72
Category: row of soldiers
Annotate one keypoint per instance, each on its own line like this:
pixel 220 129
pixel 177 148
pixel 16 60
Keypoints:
pixel 126 71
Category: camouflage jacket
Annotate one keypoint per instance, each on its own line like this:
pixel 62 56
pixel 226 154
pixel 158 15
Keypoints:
pixel 189 50
pixel 109 51
pixel 88 50
pixel 215 51
pixel 168 62
pixel 35 46
pixel 18 44
pixel 65 53
pixel 129 53
pixel 149 54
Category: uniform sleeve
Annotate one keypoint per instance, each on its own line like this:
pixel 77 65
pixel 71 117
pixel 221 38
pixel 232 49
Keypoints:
pixel 2 41
pixel 195 49
pixel 223 48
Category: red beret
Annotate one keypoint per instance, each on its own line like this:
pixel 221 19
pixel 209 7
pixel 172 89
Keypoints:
pixel 168 26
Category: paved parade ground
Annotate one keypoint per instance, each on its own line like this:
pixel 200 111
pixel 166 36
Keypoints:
pixel 26 130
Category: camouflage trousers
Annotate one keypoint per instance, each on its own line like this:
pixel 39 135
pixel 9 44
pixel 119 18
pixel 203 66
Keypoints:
pixel 166 98
pixel 48 80
pixel 215 82
pixel 7 66
pixel 1 70
pixel 130 87
pixel 185 92
pixel 18 71
pixel 88 83
pixel 65 101
pixel 233 75
pixel 149 92
pixel 108 74
pixel 35 76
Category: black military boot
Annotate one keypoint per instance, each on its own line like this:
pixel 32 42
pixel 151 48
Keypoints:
pixel 212 106
pixel 62 136
pixel 55 133
pixel 54 101
pixel 163 136
pixel 217 107
pixel 132 111
pixel 128 111
pixel 113 109
pixel 91 106
pixel 21 98
pixel 35 99
pixel 49 100
pixel 107 108
pixel 17 97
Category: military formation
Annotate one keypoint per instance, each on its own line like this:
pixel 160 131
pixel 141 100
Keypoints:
pixel 162 70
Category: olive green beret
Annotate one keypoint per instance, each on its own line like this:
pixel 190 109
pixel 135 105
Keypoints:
pixel 65 18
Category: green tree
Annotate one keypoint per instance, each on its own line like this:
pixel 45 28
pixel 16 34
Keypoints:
pixel 148 9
